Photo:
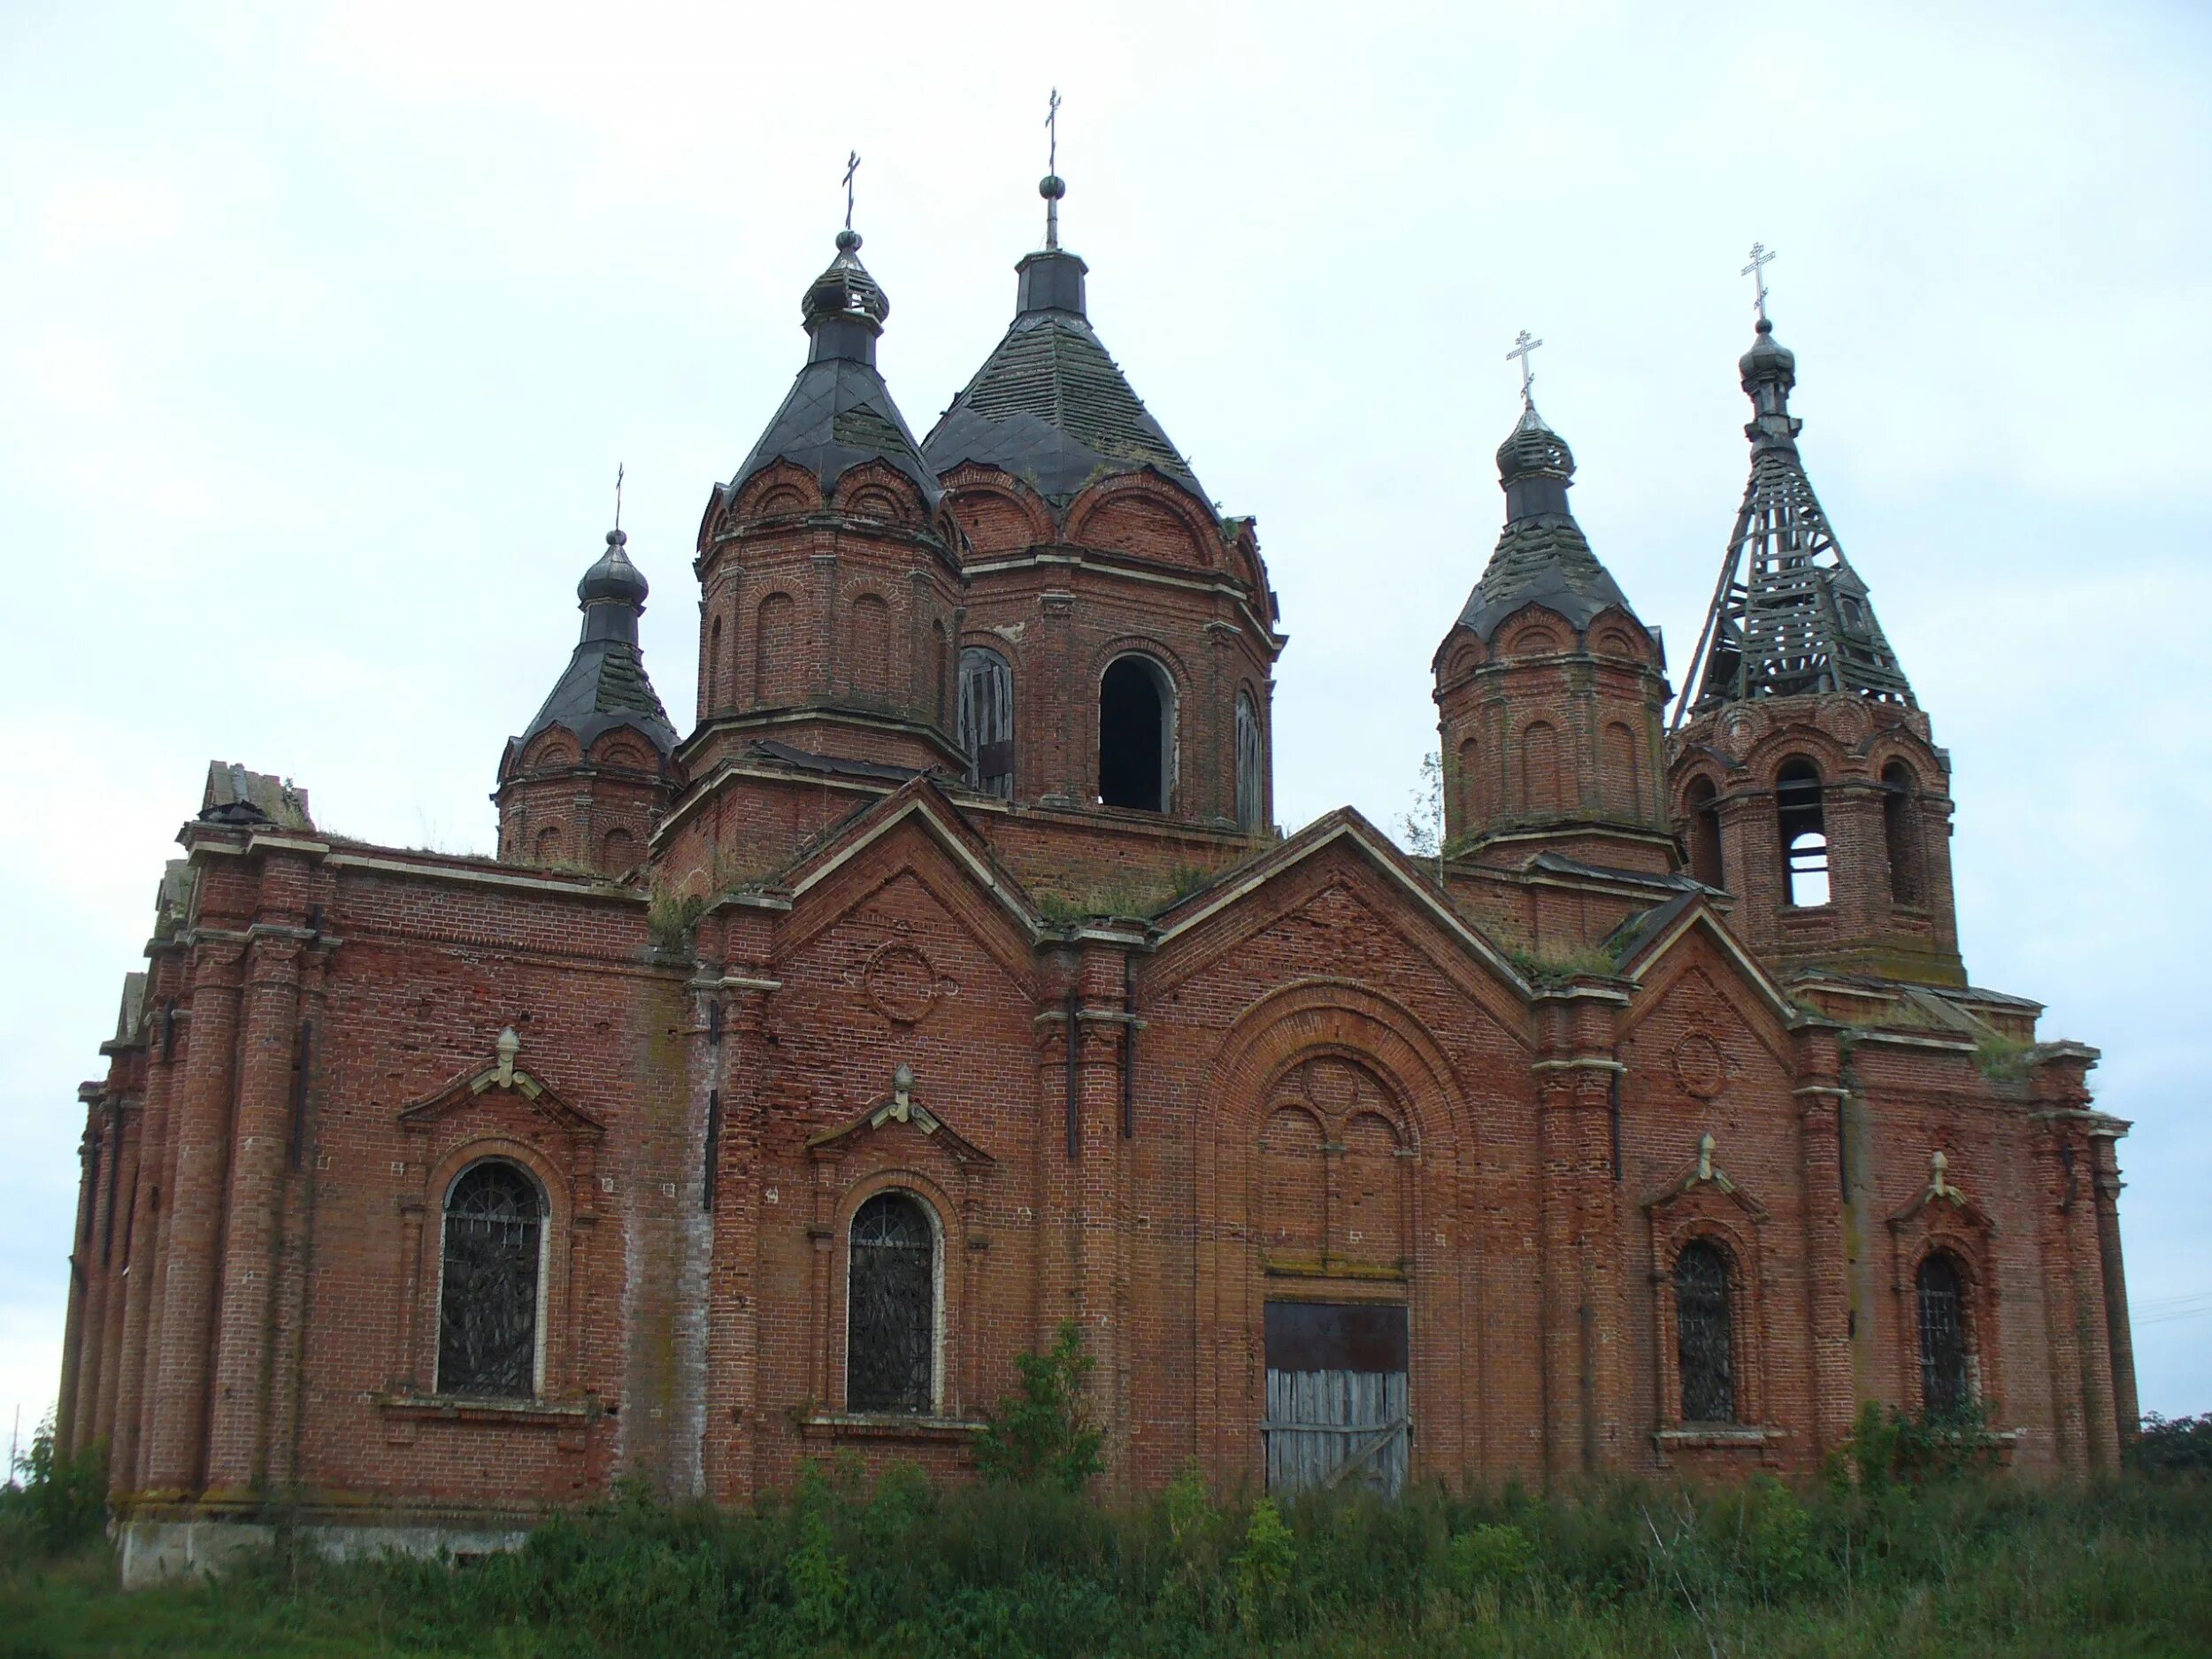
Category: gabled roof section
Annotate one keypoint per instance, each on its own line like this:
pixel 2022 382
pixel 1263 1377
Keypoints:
pixel 1344 826
pixel 1640 943
pixel 920 800
pixel 1049 404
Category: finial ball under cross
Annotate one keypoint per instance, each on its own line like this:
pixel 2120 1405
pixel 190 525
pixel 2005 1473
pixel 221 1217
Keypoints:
pixel 1761 258
pixel 1523 344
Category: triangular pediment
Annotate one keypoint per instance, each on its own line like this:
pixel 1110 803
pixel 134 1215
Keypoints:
pixel 502 1078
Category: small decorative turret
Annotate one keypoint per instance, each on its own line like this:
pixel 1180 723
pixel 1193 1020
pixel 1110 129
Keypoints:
pixel 589 776
pixel 1549 687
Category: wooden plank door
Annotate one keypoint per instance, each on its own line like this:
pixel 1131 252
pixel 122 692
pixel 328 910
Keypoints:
pixel 1337 1406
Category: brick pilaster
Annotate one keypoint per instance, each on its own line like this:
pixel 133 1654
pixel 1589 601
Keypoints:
pixel 178 1450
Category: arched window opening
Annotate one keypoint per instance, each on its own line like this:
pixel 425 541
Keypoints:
pixel 891 1306
pixel 621 852
pixel 1136 735
pixel 1797 806
pixel 775 655
pixel 1943 1386
pixel 986 720
pixel 1900 833
pixel 1703 1333
pixel 487 1294
pixel 550 844
pixel 1704 832
pixel 1251 763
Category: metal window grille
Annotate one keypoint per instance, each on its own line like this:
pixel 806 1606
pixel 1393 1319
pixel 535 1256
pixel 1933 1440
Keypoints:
pixel 891 1308
pixel 1943 1385
pixel 488 1313
pixel 986 721
pixel 1703 1334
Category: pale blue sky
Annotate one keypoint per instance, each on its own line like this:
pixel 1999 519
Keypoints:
pixel 326 326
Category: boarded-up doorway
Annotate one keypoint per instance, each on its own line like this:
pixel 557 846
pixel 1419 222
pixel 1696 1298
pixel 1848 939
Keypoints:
pixel 1336 1396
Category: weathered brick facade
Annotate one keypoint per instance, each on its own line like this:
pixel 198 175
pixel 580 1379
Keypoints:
pixel 1151 1067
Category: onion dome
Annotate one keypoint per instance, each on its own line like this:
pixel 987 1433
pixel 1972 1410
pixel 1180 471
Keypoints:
pixel 838 413
pixel 1541 557
pixel 613 577
pixel 1049 404
pixel 605 684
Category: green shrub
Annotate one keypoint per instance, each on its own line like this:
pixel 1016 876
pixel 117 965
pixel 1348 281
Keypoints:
pixel 1263 1568
pixel 1042 1433
pixel 2173 1446
pixel 54 1502
pixel 1494 1555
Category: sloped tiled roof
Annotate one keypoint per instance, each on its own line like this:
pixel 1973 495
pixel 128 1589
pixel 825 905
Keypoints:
pixel 838 415
pixel 605 685
pixel 1049 405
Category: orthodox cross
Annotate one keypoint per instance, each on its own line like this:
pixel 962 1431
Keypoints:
pixel 1052 128
pixel 1522 346
pixel 852 165
pixel 617 495
pixel 1756 270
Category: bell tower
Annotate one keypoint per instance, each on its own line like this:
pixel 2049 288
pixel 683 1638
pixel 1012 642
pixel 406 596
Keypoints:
pixel 1550 693
pixel 1802 770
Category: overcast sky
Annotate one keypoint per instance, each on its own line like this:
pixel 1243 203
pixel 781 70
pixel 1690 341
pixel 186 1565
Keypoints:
pixel 326 326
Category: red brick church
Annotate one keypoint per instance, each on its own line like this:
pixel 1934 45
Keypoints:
pixel 780 1080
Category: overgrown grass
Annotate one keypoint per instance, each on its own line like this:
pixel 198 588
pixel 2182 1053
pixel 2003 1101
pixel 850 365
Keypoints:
pixel 1961 1566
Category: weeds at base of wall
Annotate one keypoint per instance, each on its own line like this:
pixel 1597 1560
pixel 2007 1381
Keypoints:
pixel 1871 1562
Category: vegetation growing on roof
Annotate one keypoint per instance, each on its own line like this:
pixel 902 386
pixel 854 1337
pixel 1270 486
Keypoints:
pixel 2003 1059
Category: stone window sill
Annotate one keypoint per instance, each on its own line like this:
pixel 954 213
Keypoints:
pixel 474 1409
pixel 1716 1437
pixel 888 1426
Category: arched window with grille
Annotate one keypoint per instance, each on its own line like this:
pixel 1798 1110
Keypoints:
pixel 1704 1334
pixel 891 1306
pixel 1251 763
pixel 488 1289
pixel 986 720
pixel 1945 1390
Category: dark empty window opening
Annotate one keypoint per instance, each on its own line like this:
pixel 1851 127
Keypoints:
pixel 986 720
pixel 891 1311
pixel 1797 805
pixel 1706 863
pixel 1251 763
pixel 1944 1388
pixel 1704 1334
pixel 487 1294
pixel 1900 833
pixel 1136 735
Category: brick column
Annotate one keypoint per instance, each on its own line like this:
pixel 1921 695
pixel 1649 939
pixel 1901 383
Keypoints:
pixel 1820 1095
pixel 2120 1338
pixel 178 1447
pixel 731 1450
pixel 296 1237
pixel 1585 1394
pixel 141 1266
pixel 121 1182
pixel 238 1438
pixel 69 1420
pixel 1060 745
pixel 1097 1222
